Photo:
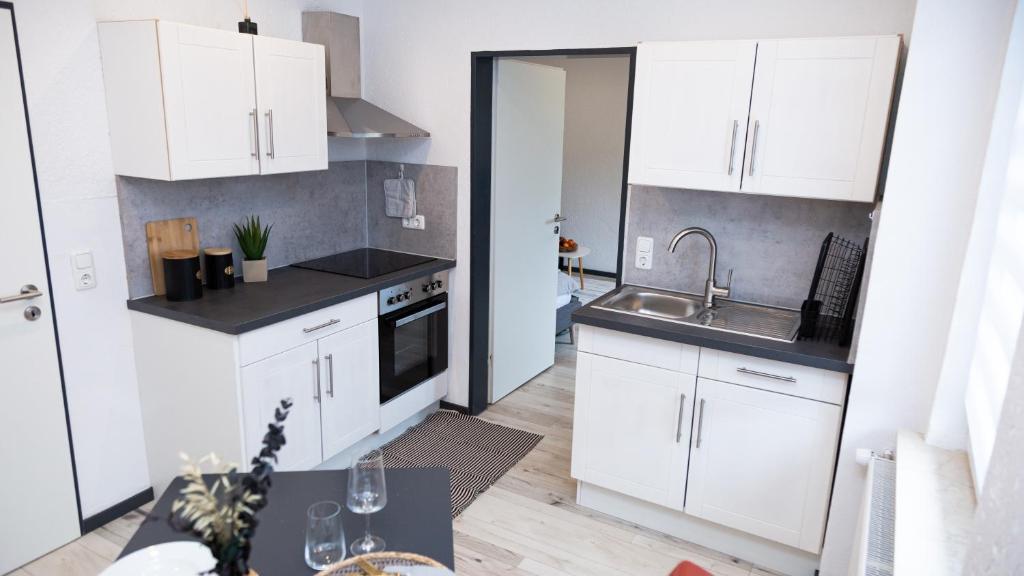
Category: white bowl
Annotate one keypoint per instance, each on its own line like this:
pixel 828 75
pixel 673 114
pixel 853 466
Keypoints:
pixel 170 559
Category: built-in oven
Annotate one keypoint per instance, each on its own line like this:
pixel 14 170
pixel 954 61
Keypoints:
pixel 413 334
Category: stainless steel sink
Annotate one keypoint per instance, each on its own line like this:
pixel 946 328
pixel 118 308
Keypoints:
pixel 649 302
pixel 727 316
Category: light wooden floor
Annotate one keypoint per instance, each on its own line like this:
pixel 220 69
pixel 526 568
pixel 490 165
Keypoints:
pixel 526 524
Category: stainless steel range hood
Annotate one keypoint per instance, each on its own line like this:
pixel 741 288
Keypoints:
pixel 348 115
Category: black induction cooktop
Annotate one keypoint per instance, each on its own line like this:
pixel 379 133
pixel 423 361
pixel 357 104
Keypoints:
pixel 364 262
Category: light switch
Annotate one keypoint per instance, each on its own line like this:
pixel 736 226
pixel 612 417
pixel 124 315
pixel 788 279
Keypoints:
pixel 644 252
pixel 83 271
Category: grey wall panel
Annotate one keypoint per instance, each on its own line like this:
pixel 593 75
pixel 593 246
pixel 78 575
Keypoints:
pixel 436 190
pixel 772 243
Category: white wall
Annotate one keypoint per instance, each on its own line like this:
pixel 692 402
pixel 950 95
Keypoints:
pixel 941 134
pixel 60 56
pixel 947 426
pixel 596 90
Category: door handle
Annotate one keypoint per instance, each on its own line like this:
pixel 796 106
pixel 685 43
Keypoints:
pixel 270 132
pixel 558 218
pixel 330 375
pixel 28 292
pixel 316 384
pixel 679 424
pixel 700 424
pixel 255 137
pixel 753 146
pixel 732 146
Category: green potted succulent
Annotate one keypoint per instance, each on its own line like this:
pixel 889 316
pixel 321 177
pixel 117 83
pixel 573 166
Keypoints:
pixel 252 238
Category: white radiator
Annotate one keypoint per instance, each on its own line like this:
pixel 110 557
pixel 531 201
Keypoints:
pixel 876 531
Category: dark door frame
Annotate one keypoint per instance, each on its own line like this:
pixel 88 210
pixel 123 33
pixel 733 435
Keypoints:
pixel 481 117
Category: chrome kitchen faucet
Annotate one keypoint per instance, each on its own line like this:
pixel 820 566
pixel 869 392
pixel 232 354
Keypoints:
pixel 710 289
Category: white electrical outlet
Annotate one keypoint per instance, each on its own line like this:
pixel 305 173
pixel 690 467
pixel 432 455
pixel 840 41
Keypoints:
pixel 417 222
pixel 83 271
pixel 644 252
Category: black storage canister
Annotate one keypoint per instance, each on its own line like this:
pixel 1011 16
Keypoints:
pixel 220 268
pixel 182 276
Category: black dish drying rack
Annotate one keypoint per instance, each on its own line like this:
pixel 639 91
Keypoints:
pixel 828 312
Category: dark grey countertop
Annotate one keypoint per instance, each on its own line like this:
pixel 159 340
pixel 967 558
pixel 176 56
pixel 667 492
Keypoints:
pixel 288 292
pixel 807 353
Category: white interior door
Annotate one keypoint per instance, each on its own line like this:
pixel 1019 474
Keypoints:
pixel 294 374
pixel 690 118
pixel 34 445
pixel 291 93
pixel 350 408
pixel 762 462
pixel 209 100
pixel 818 116
pixel 529 113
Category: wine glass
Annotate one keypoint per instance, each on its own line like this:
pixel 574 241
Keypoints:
pixel 367 494
pixel 325 537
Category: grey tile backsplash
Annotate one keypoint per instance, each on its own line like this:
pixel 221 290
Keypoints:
pixel 772 243
pixel 314 213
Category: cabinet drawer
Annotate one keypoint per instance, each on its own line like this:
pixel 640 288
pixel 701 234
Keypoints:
pixel 287 334
pixel 775 376
pixel 639 349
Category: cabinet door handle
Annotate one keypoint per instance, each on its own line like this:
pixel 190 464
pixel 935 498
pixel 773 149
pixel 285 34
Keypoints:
pixel 330 322
pixel 270 132
pixel 330 375
pixel 316 383
pixel 743 370
pixel 753 146
pixel 700 424
pixel 255 136
pixel 679 424
pixel 732 146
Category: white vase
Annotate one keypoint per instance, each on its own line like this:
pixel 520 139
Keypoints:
pixel 254 270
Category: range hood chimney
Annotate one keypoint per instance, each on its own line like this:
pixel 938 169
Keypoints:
pixel 348 115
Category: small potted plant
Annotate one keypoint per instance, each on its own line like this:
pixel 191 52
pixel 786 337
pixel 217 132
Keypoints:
pixel 252 238
pixel 221 511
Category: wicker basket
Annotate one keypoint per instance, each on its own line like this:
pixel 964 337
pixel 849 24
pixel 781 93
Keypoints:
pixel 380 561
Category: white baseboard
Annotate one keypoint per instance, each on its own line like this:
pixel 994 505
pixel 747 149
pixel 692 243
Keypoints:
pixel 758 551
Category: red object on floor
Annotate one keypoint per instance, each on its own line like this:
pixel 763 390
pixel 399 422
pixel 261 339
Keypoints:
pixel 687 568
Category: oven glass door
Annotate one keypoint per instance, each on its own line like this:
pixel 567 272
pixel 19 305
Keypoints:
pixel 413 345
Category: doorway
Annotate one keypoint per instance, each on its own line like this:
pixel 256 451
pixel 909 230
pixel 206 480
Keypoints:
pixel 527 190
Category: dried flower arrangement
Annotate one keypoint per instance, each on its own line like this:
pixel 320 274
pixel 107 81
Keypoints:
pixel 222 515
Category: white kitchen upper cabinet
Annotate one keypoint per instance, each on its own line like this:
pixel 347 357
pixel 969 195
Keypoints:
pixel 291 374
pixel 187 102
pixel 762 462
pixel 291 93
pixel 818 117
pixel 350 383
pixel 690 116
pixel 631 428
pixel 209 101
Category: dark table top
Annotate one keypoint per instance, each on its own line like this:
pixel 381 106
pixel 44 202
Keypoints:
pixel 807 353
pixel 417 518
pixel 288 292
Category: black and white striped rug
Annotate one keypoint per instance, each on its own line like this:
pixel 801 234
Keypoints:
pixel 476 453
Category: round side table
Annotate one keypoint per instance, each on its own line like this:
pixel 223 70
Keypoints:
pixel 576 254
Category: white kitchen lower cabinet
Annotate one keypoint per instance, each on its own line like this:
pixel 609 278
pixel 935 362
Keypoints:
pixel 291 374
pixel 350 393
pixel 762 462
pixel 223 397
pixel 632 428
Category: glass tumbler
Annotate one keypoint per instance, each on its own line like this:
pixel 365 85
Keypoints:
pixel 325 536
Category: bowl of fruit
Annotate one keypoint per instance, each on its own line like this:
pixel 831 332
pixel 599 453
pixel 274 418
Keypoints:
pixel 567 244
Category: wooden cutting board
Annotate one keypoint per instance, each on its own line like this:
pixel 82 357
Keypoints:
pixel 164 235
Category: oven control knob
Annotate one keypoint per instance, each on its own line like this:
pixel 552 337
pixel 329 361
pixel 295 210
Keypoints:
pixel 391 301
pixel 406 295
pixel 439 284
pixel 427 287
